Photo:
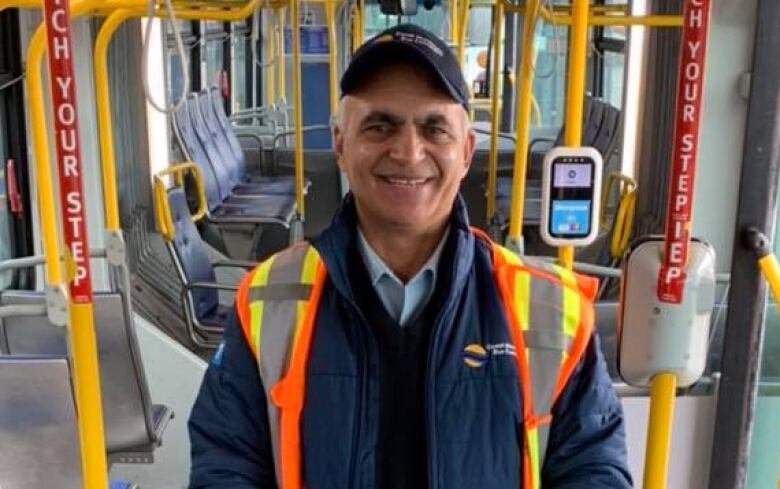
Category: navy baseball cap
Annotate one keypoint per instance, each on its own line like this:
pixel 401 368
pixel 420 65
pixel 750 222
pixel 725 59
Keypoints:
pixel 407 44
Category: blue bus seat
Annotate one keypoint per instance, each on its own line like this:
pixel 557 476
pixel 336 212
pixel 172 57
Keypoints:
pixel 38 433
pixel 133 425
pixel 223 207
pixel 204 315
pixel 210 103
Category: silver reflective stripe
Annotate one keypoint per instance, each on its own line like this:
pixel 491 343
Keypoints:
pixel 278 327
pixel 280 292
pixel 547 340
pixel 545 344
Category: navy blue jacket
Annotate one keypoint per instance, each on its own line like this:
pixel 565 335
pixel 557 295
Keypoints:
pixel 474 421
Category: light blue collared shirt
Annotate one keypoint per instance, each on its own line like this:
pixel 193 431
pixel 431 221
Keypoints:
pixel 402 301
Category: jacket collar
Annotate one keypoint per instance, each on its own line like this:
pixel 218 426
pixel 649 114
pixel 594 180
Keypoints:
pixel 334 243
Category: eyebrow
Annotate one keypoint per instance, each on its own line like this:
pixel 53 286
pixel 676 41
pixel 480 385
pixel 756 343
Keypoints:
pixel 432 119
pixel 382 117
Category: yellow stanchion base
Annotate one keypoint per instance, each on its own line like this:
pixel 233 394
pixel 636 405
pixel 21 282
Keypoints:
pixel 659 430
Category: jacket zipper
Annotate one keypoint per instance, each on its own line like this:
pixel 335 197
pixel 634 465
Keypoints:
pixel 430 398
pixel 362 372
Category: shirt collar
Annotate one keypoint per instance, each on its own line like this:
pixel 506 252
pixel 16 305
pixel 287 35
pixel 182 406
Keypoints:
pixel 378 269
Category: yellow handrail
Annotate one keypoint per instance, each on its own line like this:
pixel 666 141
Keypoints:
pixel 103 103
pixel 51 244
pixel 103 100
pixel 575 93
pixel 330 16
pixel 659 430
pixel 463 30
pixel 162 208
pixel 355 28
pixel 86 378
pixel 297 109
pixel 362 23
pixel 81 330
pixel 498 43
pixel 771 271
pixel 281 71
pixel 524 89
pixel 270 54
pixel 454 13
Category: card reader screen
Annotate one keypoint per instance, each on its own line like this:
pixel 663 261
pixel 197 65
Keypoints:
pixel 572 175
pixel 571 202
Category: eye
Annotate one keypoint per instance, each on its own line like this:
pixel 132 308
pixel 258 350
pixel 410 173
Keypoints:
pixel 378 129
pixel 436 131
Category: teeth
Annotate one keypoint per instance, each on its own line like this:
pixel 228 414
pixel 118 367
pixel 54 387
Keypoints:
pixel 406 181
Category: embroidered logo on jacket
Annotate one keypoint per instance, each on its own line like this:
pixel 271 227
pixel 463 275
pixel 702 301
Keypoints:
pixel 476 355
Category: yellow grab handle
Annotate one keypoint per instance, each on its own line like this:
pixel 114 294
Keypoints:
pixel 659 430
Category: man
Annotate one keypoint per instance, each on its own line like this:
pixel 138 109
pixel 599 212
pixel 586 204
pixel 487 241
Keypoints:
pixel 401 349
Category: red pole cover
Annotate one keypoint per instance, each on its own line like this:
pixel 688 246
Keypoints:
pixel 66 135
pixel 690 88
pixel 12 182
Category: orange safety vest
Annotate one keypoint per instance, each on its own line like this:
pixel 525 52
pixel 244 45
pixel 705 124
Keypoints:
pixel 277 306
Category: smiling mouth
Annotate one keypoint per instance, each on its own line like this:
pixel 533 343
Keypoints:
pixel 405 182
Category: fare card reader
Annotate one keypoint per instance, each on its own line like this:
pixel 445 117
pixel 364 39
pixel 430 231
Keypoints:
pixel 571 190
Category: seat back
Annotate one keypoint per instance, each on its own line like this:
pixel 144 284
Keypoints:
pixel 39 443
pixel 190 255
pixel 193 149
pixel 127 408
pixel 224 123
pixel 236 167
pixel 590 112
pixel 608 132
pixel 592 120
pixel 209 146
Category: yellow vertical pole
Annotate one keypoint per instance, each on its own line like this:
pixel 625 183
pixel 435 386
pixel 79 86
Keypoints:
pixel 454 19
pixel 297 106
pixel 51 246
pixel 575 92
pixel 103 103
pixel 270 54
pixel 81 328
pixel 463 29
pixel 771 271
pixel 281 82
pixel 524 98
pixel 659 430
pixel 330 15
pixel 498 43
pixel 362 23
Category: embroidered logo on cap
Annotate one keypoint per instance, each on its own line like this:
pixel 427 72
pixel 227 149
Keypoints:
pixel 419 40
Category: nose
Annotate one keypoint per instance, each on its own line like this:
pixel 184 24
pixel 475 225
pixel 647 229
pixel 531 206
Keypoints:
pixel 408 147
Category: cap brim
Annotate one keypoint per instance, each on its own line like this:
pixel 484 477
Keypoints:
pixel 375 56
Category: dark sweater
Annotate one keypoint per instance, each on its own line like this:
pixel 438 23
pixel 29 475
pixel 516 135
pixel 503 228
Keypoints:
pixel 402 457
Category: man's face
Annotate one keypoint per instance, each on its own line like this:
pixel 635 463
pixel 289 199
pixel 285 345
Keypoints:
pixel 405 146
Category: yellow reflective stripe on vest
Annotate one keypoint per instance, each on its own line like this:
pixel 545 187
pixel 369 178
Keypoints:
pixel 307 277
pixel 279 293
pixel 571 301
pixel 259 278
pixel 532 438
pixel 546 304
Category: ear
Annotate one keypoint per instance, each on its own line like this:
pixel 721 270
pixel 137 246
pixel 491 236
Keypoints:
pixel 338 145
pixel 469 148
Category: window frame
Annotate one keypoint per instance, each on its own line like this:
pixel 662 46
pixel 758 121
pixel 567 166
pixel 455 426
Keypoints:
pixel 603 44
pixel 13 96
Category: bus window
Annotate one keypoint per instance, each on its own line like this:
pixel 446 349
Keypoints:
pixel 6 243
pixel 241 66
pixel 215 37
pixel 550 73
